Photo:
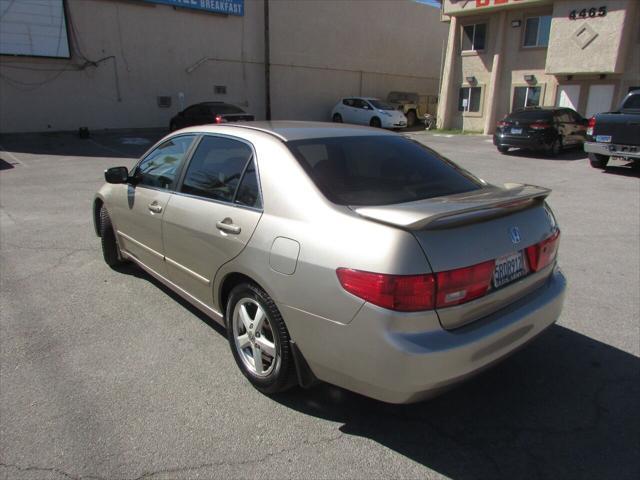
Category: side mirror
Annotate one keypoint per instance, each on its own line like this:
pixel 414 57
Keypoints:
pixel 116 175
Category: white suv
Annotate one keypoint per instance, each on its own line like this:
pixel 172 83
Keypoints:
pixel 368 111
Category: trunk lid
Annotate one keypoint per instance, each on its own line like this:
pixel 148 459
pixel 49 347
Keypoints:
pixel 466 229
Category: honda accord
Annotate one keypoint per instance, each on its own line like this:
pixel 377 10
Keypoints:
pixel 339 253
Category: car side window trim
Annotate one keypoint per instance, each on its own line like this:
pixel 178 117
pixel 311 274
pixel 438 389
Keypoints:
pixel 181 168
pixel 252 158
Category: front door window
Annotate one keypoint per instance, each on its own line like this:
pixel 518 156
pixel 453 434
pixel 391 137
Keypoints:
pixel 159 169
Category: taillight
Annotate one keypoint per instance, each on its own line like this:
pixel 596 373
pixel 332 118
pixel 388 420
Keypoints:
pixel 404 293
pixel 412 293
pixel 463 284
pixel 539 125
pixel 502 123
pixel 220 119
pixel 591 126
pixel 544 253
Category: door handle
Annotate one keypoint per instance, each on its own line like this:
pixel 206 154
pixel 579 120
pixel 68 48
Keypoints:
pixel 155 208
pixel 228 227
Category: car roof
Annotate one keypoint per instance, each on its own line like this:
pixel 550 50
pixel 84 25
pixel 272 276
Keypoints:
pixel 289 130
pixel 214 103
pixel 538 109
pixel 362 98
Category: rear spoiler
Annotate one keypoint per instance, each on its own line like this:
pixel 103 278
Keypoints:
pixel 462 208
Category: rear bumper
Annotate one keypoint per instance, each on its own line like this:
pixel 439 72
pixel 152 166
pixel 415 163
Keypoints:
pixel 609 149
pixel 407 357
pixel 534 142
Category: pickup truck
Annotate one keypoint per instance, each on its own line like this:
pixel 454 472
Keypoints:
pixel 615 134
pixel 416 107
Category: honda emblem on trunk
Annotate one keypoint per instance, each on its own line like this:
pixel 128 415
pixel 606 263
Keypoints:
pixel 515 235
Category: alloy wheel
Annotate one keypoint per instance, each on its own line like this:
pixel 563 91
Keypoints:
pixel 254 338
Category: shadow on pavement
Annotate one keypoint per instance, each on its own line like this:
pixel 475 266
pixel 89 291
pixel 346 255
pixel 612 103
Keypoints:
pixel 129 144
pixel 628 170
pixel 133 270
pixel 564 407
pixel 4 165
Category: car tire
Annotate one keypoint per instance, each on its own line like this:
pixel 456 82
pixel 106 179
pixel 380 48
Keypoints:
pixel 271 335
pixel 598 161
pixel 110 249
pixel 337 118
pixel 411 118
pixel 173 127
pixel 555 149
pixel 503 149
pixel 375 122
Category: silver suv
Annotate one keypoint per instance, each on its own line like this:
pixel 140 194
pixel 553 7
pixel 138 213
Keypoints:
pixel 346 254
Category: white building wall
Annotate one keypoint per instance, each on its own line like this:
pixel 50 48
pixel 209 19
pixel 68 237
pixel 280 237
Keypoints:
pixel 320 50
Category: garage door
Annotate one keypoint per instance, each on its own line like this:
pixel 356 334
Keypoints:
pixel 600 99
pixel 568 96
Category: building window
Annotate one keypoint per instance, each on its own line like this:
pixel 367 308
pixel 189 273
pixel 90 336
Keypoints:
pixel 469 99
pixel 474 37
pixel 526 97
pixel 536 31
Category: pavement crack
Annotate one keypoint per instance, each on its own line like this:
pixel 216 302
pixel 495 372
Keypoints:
pixel 50 470
pixel 43 248
pixel 252 461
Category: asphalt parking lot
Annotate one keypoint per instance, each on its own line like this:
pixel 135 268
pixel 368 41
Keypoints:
pixel 106 374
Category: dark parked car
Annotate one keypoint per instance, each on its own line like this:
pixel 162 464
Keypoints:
pixel 208 113
pixel 551 129
pixel 615 134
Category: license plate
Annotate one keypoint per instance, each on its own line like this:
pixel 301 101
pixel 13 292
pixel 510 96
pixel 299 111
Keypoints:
pixel 516 131
pixel 509 268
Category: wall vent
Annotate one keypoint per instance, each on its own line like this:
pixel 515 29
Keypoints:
pixel 164 101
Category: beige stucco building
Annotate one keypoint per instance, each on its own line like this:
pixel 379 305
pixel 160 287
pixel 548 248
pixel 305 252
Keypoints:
pixel 505 54
pixel 128 56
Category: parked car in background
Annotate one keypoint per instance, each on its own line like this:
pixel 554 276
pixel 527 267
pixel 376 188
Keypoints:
pixel 208 112
pixel 346 254
pixel 416 107
pixel 551 129
pixel 615 133
pixel 368 111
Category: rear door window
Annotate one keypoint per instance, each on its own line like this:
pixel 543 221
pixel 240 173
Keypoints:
pixel 565 117
pixel 249 190
pixel 224 109
pixel 359 103
pixel 216 167
pixel 575 116
pixel 192 111
pixel 379 170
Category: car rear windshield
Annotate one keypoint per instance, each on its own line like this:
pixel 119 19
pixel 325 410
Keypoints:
pixel 379 170
pixel 224 109
pixel 532 115
pixel 382 105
